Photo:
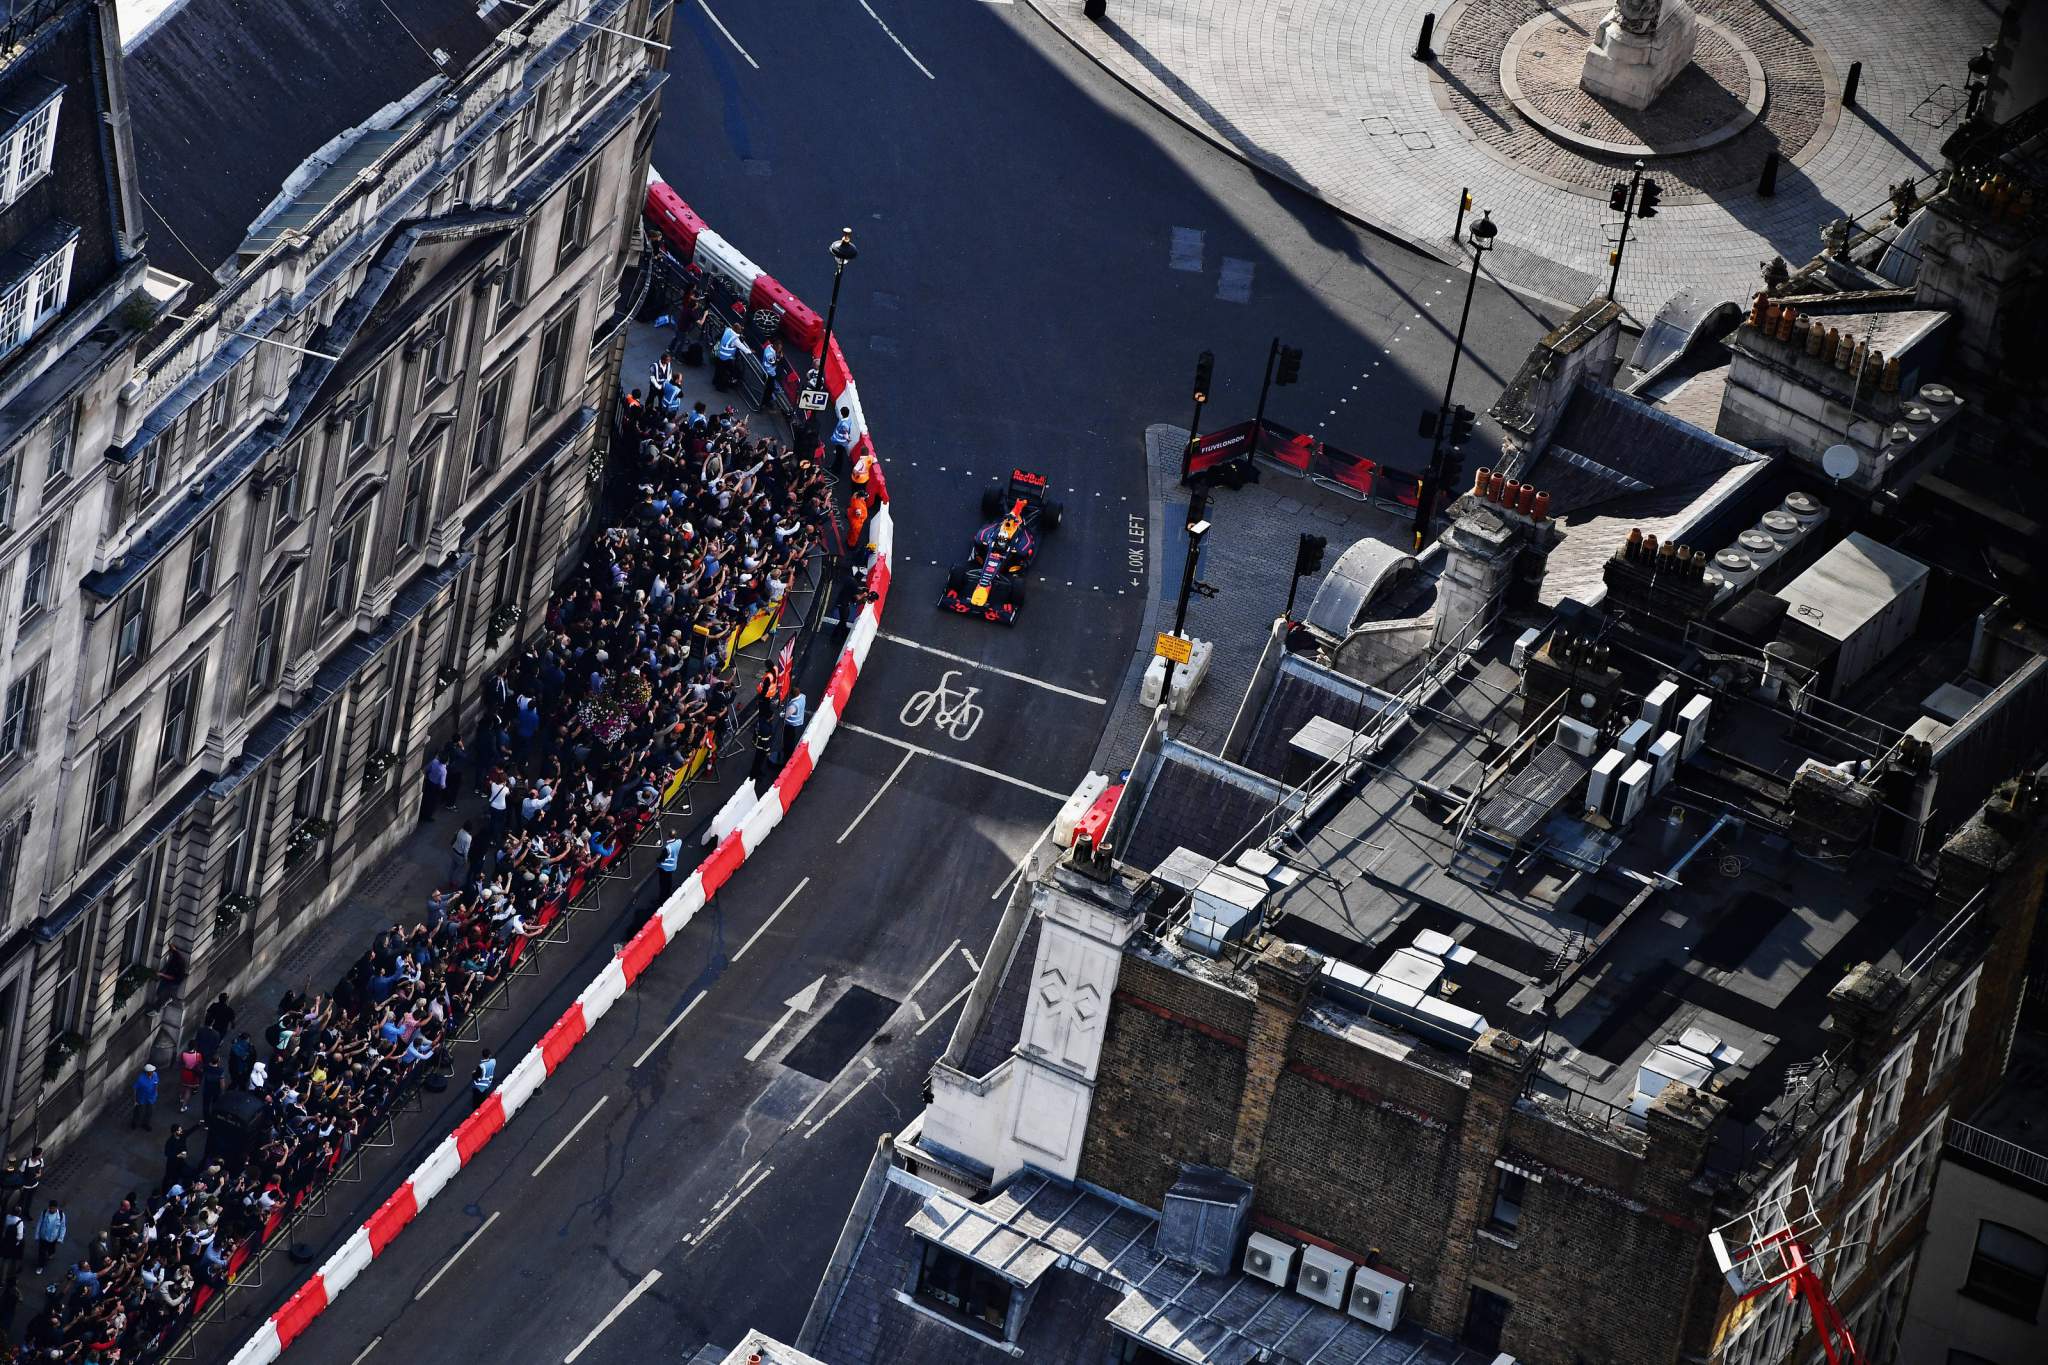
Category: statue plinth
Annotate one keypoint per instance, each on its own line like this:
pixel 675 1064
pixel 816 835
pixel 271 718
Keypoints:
pixel 1631 67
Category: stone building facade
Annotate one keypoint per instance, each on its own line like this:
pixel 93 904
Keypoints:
pixel 305 505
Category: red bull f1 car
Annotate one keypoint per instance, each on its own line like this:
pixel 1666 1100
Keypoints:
pixel 991 583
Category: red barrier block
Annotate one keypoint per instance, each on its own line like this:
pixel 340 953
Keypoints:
pixel 841 687
pixel 299 1310
pixel 677 221
pixel 559 1041
pixel 801 327
pixel 794 774
pixel 725 860
pixel 1091 828
pixel 391 1217
pixel 837 375
pixel 474 1132
pixel 643 948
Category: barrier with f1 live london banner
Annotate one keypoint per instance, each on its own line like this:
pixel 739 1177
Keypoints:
pixel 1303 456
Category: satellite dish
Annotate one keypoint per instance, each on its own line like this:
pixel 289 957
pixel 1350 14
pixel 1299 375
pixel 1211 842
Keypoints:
pixel 1840 462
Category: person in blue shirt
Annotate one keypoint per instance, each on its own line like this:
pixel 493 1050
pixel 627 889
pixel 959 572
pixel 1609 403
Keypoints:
pixel 671 859
pixel 842 438
pixel 145 1098
pixel 725 356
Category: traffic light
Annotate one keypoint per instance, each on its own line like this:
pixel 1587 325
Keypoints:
pixel 1646 202
pixel 1290 365
pixel 1308 556
pixel 1462 418
pixel 1205 370
pixel 1465 202
pixel 1617 196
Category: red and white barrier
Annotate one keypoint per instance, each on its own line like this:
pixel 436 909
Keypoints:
pixel 753 819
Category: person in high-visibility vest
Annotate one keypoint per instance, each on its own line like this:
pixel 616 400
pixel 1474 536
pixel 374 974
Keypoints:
pixel 856 517
pixel 863 470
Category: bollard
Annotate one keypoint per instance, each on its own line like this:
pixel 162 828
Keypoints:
pixel 1093 8
pixel 1849 86
pixel 1422 52
pixel 1768 185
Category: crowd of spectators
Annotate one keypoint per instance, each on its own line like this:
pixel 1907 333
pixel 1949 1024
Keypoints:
pixel 629 681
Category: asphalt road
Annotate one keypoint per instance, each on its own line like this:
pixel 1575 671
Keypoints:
pixel 1041 258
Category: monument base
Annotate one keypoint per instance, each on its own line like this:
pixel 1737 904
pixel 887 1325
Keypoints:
pixel 1633 71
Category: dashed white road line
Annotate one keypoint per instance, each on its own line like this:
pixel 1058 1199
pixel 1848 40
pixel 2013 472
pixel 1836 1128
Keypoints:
pixel 898 41
pixel 773 915
pixel 996 773
pixel 901 764
pixel 991 668
pixel 697 1238
pixel 570 1136
pixel 873 1071
pixel 647 1282
pixel 972 965
pixel 932 970
pixel 673 1025
pixel 945 1009
pixel 705 5
pixel 364 1354
pixel 449 1264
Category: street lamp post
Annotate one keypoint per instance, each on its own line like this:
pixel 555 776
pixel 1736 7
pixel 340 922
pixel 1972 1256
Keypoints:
pixel 1483 233
pixel 843 251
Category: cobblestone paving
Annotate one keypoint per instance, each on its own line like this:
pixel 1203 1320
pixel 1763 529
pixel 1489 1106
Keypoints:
pixel 1795 107
pixel 1326 94
pixel 1548 57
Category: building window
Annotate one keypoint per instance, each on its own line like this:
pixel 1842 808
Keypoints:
pixel 35 297
pixel 511 552
pixel 548 376
pixel 26 153
pixel 21 711
pixel 131 627
pixel 2008 1270
pixel 149 469
pixel 220 402
pixel 236 859
pixel 10 469
pixel 63 431
pixel 1951 1027
pixel 181 704
pixel 1508 1193
pixel 437 355
pixel 511 280
pixel 138 932
pixel 364 417
pixel 311 788
pixel 109 797
pixel 1889 1093
pixel 1912 1178
pixel 972 1292
pixel 11 836
pixel 67 992
pixel 1832 1163
pixel 263 658
pixel 533 123
pixel 490 425
pixel 199 568
pixel 1486 1321
pixel 35 574
pixel 344 558
pixel 416 504
pixel 576 202
pixel 1853 1236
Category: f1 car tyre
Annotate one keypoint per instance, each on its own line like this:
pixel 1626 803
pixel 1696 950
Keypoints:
pixel 1049 516
pixel 992 502
pixel 956 581
pixel 1016 587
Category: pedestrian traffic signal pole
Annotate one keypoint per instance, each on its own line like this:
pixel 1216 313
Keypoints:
pixel 842 252
pixel 1205 372
pixel 1632 198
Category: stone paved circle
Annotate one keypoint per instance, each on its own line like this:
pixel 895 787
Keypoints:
pixel 1796 79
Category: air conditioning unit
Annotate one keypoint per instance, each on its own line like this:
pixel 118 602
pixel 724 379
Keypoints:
pixel 1578 737
pixel 1325 1277
pixel 1270 1259
pixel 1376 1298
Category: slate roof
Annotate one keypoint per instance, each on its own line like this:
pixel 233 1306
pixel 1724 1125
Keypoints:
pixel 1095 1271
pixel 1609 444
pixel 229 97
pixel 1196 801
pixel 1300 692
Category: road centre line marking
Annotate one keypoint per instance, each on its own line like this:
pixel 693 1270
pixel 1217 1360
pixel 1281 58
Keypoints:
pixel 745 1176
pixel 805 1112
pixel 916 1008
pixel 364 1354
pixel 697 1238
pixel 991 668
pixel 1023 862
pixel 998 775
pixel 901 764
pixel 673 1025
pixel 773 915
pixel 705 5
pixel 449 1264
pixel 647 1282
pixel 873 1071
pixel 972 965
pixel 570 1136
pixel 898 41
pixel 933 970
pixel 946 1008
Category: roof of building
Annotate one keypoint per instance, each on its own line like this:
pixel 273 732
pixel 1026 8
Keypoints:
pixel 229 98
pixel 1608 445
pixel 1095 1277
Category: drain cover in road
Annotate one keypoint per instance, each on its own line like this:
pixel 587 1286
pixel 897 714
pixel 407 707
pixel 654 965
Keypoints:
pixel 839 1033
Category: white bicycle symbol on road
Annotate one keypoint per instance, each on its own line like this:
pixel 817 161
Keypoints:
pixel 953 712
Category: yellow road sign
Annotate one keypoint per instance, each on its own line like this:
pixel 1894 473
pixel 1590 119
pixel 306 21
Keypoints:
pixel 1173 647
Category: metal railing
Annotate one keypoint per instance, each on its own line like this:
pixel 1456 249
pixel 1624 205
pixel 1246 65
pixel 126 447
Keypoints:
pixel 1974 1142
